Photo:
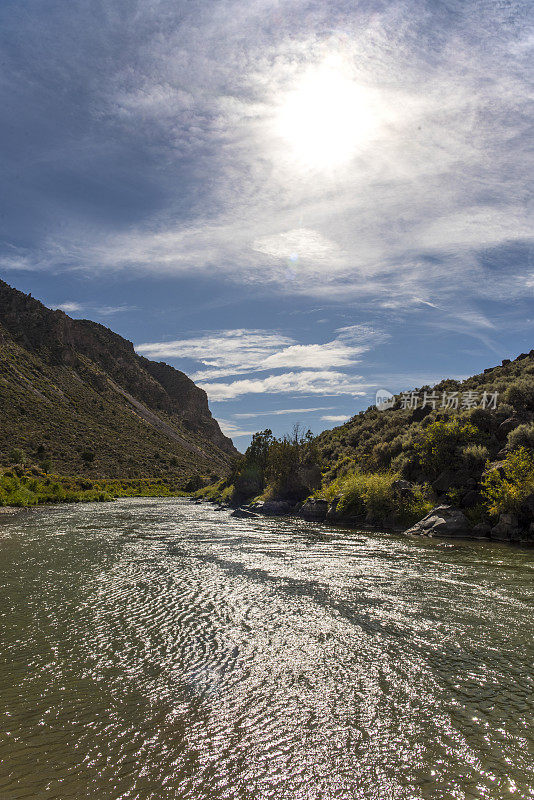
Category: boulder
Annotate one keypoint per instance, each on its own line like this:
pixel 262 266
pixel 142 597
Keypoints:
pixel 482 530
pixel 442 521
pixel 502 532
pixel 333 515
pixel 273 508
pixel 242 513
pixel 314 510
pixel 507 529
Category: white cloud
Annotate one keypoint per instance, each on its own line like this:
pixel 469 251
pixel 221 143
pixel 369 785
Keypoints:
pixel 282 411
pixel 226 352
pixel 231 429
pixel 232 352
pixel 68 307
pixel 109 310
pixel 436 175
pixel 298 244
pixel 18 262
pixel 336 418
pixel 441 176
pixel 309 382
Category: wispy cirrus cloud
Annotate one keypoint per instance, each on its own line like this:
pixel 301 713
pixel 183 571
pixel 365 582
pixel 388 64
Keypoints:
pixel 282 412
pixel 314 367
pixel 309 382
pixel 73 307
pixel 226 353
pixel 69 307
pixel 230 428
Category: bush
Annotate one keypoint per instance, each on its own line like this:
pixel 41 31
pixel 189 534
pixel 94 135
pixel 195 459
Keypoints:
pixel 17 456
pixel 522 436
pixel 438 445
pixel 194 483
pixel 507 486
pixel 373 493
pixel 88 456
pixel 520 395
pixel 366 492
pixel 474 456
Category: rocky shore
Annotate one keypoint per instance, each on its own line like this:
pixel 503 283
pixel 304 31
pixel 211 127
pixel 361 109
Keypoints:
pixel 443 521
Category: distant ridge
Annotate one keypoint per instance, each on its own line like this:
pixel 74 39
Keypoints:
pixel 74 393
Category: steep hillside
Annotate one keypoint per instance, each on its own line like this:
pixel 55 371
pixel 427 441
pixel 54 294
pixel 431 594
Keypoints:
pixel 378 440
pixel 75 395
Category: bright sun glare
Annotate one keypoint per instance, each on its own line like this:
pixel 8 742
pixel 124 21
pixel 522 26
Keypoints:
pixel 326 117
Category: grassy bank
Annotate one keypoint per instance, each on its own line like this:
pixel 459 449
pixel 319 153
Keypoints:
pixel 29 487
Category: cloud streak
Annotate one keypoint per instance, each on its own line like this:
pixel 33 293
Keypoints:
pixel 227 353
pixel 309 382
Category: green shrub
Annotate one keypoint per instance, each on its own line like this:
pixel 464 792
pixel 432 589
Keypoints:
pixel 373 493
pixel 504 410
pixel 17 456
pixel 437 448
pixel 520 394
pixel 367 492
pixel 474 456
pixel 507 486
pixel 522 436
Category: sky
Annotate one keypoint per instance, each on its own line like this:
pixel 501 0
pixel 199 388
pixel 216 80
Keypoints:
pixel 295 202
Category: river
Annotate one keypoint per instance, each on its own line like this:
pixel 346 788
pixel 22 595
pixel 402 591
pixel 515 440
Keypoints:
pixel 160 649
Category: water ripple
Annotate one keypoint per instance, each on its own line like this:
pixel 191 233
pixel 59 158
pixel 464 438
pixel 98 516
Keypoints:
pixel 159 649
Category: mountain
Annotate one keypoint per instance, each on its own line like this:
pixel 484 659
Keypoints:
pixel 76 395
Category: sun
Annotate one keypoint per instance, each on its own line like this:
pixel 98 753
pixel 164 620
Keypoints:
pixel 326 118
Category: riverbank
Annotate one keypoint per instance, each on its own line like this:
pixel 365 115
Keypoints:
pixel 27 487
pixel 441 521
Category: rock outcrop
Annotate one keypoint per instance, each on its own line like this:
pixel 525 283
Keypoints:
pixel 442 521
pixel 314 510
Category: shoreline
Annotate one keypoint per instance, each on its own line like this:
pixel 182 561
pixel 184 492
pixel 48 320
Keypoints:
pixel 252 511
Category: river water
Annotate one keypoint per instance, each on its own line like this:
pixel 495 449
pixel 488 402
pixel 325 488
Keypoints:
pixel 159 649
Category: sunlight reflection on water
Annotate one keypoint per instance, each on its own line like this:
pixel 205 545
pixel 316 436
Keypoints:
pixel 159 649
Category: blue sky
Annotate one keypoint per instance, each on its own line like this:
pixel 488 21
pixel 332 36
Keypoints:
pixel 295 202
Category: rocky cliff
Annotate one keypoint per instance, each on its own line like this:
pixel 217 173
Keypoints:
pixel 76 394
